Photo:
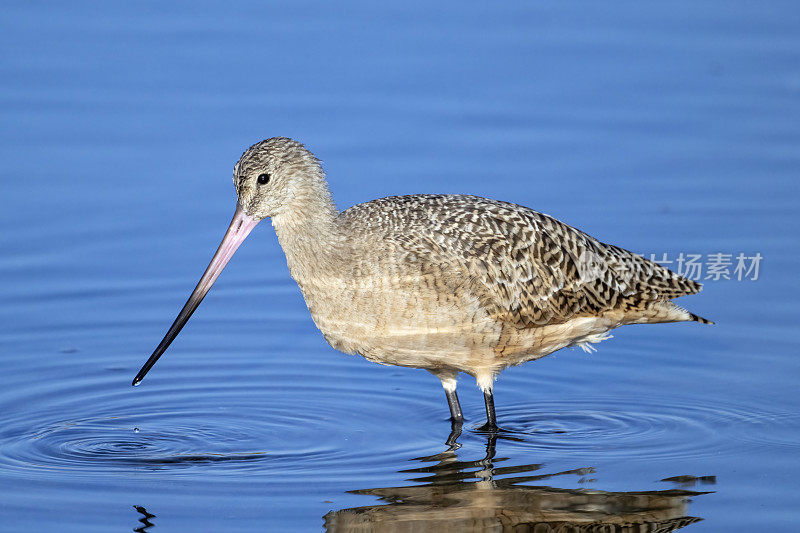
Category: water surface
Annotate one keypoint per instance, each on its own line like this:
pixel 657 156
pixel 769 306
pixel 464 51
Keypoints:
pixel 664 129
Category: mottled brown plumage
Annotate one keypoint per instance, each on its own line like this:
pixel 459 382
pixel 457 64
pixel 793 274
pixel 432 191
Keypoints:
pixel 448 283
pixel 528 269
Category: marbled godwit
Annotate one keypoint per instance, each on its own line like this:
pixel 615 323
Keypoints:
pixel 448 283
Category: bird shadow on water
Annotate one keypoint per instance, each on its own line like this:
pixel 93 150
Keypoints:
pixel 450 493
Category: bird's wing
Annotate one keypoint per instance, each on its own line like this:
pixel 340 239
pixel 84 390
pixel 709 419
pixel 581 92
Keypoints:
pixel 526 268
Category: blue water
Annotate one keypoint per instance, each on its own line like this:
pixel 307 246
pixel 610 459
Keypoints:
pixel 666 129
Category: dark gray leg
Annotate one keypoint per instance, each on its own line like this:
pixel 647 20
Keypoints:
pixel 449 382
pixel 491 419
pixel 455 407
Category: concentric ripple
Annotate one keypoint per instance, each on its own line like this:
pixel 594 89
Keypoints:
pixel 647 428
pixel 271 425
pixel 249 426
pixel 117 441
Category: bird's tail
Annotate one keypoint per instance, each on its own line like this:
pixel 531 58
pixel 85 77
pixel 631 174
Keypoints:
pixel 665 311
pixel 700 319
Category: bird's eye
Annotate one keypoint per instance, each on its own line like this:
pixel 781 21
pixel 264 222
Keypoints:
pixel 263 179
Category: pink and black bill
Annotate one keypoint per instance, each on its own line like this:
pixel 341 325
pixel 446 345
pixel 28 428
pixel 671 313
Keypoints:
pixel 241 226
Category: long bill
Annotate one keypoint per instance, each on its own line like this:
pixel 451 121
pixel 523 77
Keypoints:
pixel 241 226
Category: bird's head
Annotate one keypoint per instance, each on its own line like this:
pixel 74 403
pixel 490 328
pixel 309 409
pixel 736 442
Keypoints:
pixel 277 178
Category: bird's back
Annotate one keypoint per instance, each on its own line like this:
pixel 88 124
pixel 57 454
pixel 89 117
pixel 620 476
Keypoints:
pixel 526 268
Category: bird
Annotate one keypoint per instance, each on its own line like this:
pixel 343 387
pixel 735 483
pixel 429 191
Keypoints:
pixel 448 283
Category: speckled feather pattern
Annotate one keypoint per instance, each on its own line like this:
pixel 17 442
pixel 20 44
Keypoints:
pixel 527 268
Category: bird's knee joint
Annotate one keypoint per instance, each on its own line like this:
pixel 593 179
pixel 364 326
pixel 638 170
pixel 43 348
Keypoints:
pixel 485 382
pixel 449 384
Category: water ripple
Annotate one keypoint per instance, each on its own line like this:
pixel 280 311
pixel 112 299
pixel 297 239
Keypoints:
pixel 649 428
pixel 296 430
pixel 247 428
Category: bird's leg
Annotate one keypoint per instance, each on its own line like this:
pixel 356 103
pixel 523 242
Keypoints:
pixel 485 382
pixel 456 416
pixel 449 383
pixel 491 419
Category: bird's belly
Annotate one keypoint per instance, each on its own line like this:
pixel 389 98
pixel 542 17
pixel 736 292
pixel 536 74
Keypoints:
pixel 404 326
pixel 407 326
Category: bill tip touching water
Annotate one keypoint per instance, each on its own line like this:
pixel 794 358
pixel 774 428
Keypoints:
pixel 446 283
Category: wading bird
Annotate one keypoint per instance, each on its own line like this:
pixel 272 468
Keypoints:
pixel 448 283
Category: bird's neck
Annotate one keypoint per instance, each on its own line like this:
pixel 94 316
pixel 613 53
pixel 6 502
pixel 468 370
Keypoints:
pixel 307 232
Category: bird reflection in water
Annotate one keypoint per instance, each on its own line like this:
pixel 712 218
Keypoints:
pixel 456 495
